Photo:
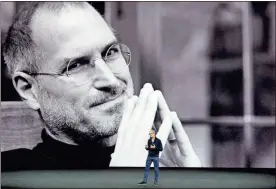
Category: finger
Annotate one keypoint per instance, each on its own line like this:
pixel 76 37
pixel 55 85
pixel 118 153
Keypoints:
pixel 164 130
pixel 129 107
pixel 149 113
pixel 169 154
pixel 166 159
pixel 122 131
pixel 164 111
pixel 139 107
pixel 182 139
pixel 188 157
pixel 127 112
pixel 176 155
pixel 138 110
pixel 141 102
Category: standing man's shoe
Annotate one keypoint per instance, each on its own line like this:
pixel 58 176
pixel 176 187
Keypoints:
pixel 155 184
pixel 142 183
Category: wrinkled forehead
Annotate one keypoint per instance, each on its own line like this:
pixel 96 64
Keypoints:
pixel 70 30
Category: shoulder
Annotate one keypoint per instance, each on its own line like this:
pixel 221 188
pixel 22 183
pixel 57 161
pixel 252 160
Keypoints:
pixel 15 159
pixel 15 153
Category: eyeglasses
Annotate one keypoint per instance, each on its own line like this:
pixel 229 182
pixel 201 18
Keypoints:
pixel 81 70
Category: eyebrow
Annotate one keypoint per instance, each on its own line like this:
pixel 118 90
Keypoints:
pixel 106 47
pixel 64 62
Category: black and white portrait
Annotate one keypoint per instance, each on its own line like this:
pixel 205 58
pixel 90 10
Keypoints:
pixel 83 83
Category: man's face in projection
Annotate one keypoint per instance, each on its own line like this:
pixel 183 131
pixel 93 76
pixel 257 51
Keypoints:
pixel 72 107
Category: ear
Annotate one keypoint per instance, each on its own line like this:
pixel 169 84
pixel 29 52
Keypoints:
pixel 26 87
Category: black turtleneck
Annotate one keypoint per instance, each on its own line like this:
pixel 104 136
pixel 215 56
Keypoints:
pixel 51 154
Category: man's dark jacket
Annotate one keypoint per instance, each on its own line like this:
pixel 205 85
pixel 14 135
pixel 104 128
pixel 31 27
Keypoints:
pixel 154 152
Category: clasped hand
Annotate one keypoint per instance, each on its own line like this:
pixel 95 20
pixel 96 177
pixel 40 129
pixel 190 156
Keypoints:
pixel 138 118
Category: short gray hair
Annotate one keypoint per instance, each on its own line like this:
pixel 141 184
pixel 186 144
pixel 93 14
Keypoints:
pixel 19 49
pixel 153 131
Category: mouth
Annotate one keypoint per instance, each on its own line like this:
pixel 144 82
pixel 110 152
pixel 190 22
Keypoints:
pixel 112 101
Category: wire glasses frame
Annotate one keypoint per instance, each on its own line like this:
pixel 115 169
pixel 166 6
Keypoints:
pixel 81 70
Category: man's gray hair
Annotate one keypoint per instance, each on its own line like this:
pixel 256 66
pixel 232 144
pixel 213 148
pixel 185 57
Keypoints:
pixel 19 50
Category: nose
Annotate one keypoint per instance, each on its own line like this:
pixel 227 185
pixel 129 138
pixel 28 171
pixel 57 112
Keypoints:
pixel 104 79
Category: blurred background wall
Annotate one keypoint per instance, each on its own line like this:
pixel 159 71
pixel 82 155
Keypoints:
pixel 192 52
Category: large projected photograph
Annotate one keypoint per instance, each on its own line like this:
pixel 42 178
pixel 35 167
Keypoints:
pixel 115 85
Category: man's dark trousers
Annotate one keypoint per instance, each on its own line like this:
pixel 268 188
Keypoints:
pixel 155 161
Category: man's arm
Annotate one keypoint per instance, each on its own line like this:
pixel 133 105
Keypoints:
pixel 159 146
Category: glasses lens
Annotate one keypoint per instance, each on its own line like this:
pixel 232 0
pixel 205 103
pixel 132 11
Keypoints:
pixel 80 70
pixel 113 53
pixel 126 53
pixel 118 57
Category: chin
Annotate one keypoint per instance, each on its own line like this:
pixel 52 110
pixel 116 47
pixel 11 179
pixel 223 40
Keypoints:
pixel 100 124
pixel 101 128
pixel 109 141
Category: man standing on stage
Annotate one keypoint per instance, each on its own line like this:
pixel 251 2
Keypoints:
pixel 154 146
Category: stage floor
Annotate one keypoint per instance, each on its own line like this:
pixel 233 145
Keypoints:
pixel 128 178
